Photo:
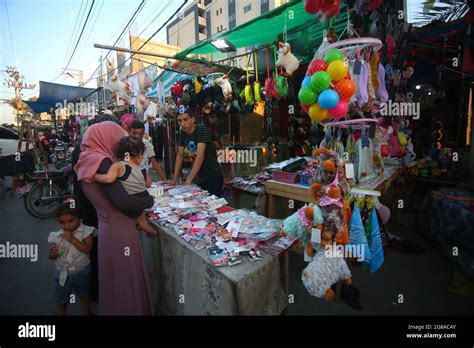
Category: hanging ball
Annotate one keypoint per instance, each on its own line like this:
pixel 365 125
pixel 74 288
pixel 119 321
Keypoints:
pixel 338 69
pixel 340 110
pixel 320 81
pixel 307 95
pixel 305 108
pixel 317 65
pixel 312 6
pixel 317 113
pixel 306 81
pixel 328 99
pixel 333 55
pixel 345 89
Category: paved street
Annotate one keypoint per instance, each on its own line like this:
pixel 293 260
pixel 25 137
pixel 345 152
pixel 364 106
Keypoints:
pixel 423 280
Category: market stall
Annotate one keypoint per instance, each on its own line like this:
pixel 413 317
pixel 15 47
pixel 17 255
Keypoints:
pixel 211 259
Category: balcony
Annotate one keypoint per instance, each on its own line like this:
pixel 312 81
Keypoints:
pixel 200 6
pixel 202 21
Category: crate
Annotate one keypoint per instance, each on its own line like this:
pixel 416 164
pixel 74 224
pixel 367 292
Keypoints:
pixel 288 178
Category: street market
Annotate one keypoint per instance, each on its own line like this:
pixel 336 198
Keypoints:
pixel 304 158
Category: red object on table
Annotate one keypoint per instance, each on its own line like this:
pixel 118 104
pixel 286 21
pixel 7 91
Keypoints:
pixel 224 209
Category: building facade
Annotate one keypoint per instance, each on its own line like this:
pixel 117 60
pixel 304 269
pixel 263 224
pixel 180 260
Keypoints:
pixel 204 18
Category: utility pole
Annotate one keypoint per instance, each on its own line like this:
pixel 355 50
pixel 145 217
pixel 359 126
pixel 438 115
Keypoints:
pixel 16 83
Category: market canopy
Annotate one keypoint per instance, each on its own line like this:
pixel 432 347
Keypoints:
pixel 53 93
pixel 266 28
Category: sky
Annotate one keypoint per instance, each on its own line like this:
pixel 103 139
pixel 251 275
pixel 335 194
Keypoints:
pixel 37 37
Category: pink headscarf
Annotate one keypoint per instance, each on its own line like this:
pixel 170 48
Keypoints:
pixel 127 119
pixel 98 144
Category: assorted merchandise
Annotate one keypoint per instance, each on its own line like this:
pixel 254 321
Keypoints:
pixel 194 215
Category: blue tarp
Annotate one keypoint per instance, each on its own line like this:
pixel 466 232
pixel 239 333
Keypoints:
pixel 167 78
pixel 53 93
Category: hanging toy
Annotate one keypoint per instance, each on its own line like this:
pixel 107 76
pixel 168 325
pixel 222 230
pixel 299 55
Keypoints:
pixel 329 8
pixel 198 84
pixel 144 81
pixel 122 89
pixel 177 89
pixel 142 104
pixel 256 85
pixel 248 88
pixel 225 85
pixel 286 59
pixel 312 6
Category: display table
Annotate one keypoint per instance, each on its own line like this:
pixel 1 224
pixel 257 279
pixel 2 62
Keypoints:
pixel 300 192
pixel 188 284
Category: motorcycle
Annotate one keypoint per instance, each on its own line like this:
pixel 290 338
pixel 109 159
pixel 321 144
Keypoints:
pixel 61 154
pixel 51 187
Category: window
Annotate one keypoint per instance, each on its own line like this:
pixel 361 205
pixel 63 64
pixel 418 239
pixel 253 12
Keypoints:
pixel 220 10
pixel 217 12
pixel 247 8
pixel 232 17
pixel 263 1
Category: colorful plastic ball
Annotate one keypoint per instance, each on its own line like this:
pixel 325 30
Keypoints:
pixel 306 81
pixel 328 99
pixel 305 108
pixel 337 69
pixel 317 65
pixel 345 89
pixel 340 110
pixel 317 113
pixel 320 81
pixel 307 95
pixel 333 55
pixel 312 6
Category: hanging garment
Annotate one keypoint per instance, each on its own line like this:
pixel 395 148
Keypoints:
pixel 350 147
pixel 357 234
pixel 364 155
pixel 376 248
pixel 381 91
pixel 362 95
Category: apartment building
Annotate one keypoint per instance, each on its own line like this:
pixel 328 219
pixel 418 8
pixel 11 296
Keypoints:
pixel 204 18
pixel 189 27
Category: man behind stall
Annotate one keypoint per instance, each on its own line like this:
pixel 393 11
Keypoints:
pixel 195 141
pixel 137 129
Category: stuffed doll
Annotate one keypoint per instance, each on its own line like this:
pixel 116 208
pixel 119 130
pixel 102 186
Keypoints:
pixel 122 89
pixel 324 271
pixel 286 59
pixel 300 224
pixel 144 81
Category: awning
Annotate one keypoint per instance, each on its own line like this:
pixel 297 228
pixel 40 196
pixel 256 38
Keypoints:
pixel 53 93
pixel 163 83
pixel 266 28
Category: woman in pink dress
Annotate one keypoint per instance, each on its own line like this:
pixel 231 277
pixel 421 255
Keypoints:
pixel 123 276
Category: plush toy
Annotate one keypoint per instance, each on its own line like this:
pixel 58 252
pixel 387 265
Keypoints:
pixel 177 89
pixel 151 111
pixel 142 104
pixel 224 83
pixel 121 88
pixel 300 225
pixel 324 271
pixel 286 59
pixel 144 81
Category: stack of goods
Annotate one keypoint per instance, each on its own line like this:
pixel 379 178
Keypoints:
pixel 193 215
pixel 254 183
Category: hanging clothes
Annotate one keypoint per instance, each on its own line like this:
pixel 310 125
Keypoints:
pixel 376 247
pixel 357 234
pixel 364 156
